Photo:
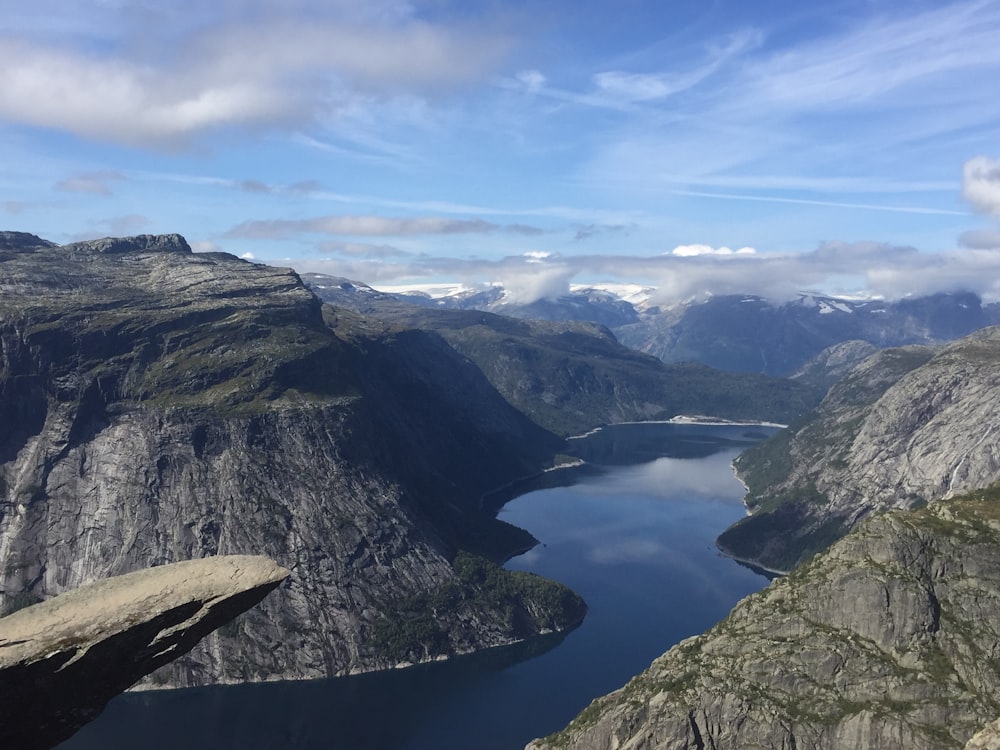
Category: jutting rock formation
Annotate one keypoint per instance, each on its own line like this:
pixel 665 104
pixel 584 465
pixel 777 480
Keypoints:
pixel 62 660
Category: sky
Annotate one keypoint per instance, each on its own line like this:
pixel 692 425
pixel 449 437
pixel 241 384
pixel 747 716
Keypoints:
pixel 849 147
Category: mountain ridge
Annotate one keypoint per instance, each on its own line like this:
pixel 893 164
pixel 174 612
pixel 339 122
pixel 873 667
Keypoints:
pixel 740 332
pixel 905 426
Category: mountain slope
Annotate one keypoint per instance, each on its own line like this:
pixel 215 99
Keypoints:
pixel 571 377
pixel 747 333
pixel 165 405
pixel 885 642
pixel 905 426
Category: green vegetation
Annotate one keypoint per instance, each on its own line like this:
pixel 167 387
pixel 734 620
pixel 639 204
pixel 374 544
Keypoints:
pixel 572 377
pixel 415 627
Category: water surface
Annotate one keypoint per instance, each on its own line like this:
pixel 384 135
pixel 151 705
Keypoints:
pixel 635 538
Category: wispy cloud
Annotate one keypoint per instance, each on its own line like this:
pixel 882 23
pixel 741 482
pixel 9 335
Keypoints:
pixel 370 226
pixel 833 204
pixel 361 250
pixel 877 62
pixel 95 183
pixel 640 87
pixel 837 111
pixel 593 230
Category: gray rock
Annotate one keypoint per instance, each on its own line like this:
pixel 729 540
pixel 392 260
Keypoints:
pixel 988 738
pixel 905 427
pixel 161 405
pixel 888 641
pixel 62 660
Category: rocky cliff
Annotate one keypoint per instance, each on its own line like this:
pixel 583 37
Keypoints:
pixel 161 405
pixel 904 427
pixel 62 660
pixel 889 640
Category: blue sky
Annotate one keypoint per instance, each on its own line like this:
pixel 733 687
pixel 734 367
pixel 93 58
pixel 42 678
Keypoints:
pixel 701 147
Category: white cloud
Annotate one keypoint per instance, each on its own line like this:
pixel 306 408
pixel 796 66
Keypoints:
pixel 532 80
pixel 981 184
pixel 525 283
pixel 868 268
pixel 686 251
pixel 272 70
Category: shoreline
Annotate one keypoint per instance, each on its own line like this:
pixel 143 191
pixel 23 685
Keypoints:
pixel 753 565
pixel 684 419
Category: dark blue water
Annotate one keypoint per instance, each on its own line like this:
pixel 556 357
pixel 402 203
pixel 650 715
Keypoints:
pixel 634 539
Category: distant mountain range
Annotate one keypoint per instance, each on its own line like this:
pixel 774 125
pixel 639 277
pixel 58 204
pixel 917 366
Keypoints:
pixel 742 333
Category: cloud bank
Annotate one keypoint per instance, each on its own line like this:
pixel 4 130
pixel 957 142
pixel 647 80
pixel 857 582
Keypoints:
pixel 836 268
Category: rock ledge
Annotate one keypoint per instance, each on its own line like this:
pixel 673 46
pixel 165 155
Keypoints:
pixel 62 660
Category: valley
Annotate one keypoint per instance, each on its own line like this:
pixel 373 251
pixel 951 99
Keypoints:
pixel 162 405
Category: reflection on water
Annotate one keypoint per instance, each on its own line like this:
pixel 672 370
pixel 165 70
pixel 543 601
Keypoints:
pixel 635 539
pixel 365 712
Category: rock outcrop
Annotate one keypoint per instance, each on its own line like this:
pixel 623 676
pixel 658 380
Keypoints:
pixel 906 426
pixel 987 738
pixel 62 660
pixel 890 641
pixel 162 405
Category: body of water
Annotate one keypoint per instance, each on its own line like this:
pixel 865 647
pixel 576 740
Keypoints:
pixel 633 534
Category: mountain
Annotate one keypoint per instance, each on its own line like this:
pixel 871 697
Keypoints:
pixel 741 333
pixel 904 427
pixel 832 364
pixel 747 333
pixel 602 306
pixel 571 377
pixel 887 641
pixel 162 405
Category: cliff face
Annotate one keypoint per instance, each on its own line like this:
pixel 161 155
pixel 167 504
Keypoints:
pixel 164 405
pixel 906 426
pixel 61 661
pixel 888 640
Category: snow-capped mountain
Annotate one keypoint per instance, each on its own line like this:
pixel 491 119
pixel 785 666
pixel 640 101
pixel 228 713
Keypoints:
pixel 730 332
